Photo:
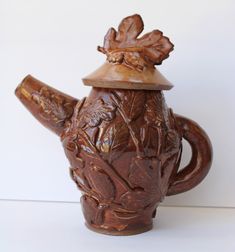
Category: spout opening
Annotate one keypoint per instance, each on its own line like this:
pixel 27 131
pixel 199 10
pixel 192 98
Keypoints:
pixel 18 90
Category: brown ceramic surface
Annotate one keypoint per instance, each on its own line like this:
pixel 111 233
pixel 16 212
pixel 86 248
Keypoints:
pixel 131 59
pixel 120 76
pixel 124 147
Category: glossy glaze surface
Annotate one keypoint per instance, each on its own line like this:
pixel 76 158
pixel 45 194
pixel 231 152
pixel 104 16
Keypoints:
pixel 124 148
pixel 131 58
pixel 124 144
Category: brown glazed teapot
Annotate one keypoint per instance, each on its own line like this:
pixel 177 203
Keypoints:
pixel 123 143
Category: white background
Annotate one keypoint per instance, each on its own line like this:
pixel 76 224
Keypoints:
pixel 59 227
pixel 56 41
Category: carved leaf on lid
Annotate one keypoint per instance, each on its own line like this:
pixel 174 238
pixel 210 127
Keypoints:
pixel 129 29
pixel 124 46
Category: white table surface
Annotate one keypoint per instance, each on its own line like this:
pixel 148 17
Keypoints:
pixel 58 227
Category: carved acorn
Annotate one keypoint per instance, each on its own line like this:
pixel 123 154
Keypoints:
pixel 123 143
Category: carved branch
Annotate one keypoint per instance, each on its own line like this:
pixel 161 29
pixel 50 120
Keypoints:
pixel 105 166
pixel 135 139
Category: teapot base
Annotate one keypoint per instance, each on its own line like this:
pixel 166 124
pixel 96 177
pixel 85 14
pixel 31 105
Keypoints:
pixel 119 233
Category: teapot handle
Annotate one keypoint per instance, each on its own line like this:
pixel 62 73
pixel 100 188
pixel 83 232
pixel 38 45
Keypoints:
pixel 201 159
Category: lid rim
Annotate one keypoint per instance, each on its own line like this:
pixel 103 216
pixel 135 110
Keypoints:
pixel 111 75
pixel 125 85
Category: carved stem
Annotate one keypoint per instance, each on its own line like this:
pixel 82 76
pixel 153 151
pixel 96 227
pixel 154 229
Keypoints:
pixel 138 145
pixel 105 166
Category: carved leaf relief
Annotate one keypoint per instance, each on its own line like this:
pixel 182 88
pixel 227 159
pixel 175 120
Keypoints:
pixel 143 172
pixel 132 103
pixel 53 105
pixel 149 137
pixel 92 118
pixel 155 107
pixel 92 211
pixel 114 141
pixel 101 182
pixel 135 200
pixel 124 46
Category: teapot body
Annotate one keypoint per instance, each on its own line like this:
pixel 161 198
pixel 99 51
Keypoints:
pixel 124 148
pixel 123 143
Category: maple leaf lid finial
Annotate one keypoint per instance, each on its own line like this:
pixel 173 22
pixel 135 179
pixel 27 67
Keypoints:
pixel 131 59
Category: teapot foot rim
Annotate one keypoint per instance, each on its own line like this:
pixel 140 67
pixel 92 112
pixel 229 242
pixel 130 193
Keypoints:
pixel 119 233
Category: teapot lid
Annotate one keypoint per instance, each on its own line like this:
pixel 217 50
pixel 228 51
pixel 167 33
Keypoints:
pixel 131 61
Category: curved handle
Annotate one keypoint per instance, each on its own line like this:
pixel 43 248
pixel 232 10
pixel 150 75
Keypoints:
pixel 201 159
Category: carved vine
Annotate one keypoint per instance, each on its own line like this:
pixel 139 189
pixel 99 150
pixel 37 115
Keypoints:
pixel 104 134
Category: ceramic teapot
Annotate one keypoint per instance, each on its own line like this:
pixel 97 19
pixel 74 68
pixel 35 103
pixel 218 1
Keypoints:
pixel 123 143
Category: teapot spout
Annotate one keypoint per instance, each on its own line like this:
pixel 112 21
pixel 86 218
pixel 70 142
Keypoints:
pixel 49 106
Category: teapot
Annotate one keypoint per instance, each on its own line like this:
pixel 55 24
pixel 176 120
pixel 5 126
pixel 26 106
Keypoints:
pixel 123 143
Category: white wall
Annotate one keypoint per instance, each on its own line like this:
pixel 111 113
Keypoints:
pixel 56 42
